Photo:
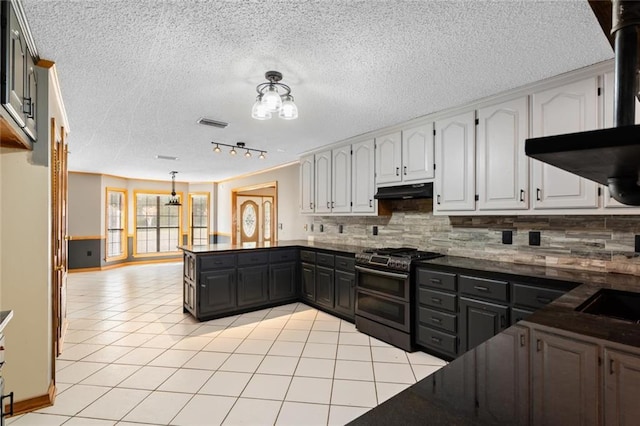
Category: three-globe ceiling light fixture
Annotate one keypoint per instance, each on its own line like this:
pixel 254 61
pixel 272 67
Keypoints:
pixel 242 147
pixel 173 200
pixel 274 97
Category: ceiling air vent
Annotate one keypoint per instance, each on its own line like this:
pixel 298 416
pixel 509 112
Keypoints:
pixel 210 122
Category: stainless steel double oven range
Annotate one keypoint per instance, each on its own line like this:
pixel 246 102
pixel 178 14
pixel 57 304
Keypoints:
pixel 385 292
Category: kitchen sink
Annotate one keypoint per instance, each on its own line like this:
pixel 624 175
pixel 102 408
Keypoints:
pixel 623 305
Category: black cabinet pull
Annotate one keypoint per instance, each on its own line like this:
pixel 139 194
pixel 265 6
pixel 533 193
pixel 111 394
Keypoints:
pixel 436 340
pixel 522 341
pixel 370 203
pixel 310 205
pixel 2 398
pixel 610 367
pixel 436 281
pixel 538 345
pixel 436 300
pixel 481 288
pixel 328 205
pixel 438 199
pixel 397 171
pixel 538 194
pixel 544 300
pixel 503 321
pixel 522 195
pixel 405 170
pixel 436 320
pixel 333 204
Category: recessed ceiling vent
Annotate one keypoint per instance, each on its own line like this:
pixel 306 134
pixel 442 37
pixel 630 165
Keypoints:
pixel 211 122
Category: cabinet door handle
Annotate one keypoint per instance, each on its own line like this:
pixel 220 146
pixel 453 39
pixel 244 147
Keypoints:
pixel 522 341
pixel 405 170
pixel 611 371
pixel 544 300
pixel 27 107
pixel 481 288
pixel 438 199
pixel 522 195
pixel 436 300
pixel 436 339
pixel 436 320
pixel 397 171
pixel 310 205
pixel 503 321
pixel 333 204
pixel 538 194
pixel 436 281
pixel 370 203
pixel 328 205
pixel 203 286
pixel 538 345
pixel 2 398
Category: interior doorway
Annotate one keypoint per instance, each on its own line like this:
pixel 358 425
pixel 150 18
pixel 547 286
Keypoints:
pixel 254 214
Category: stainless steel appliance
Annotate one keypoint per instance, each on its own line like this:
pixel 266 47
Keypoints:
pixel 384 293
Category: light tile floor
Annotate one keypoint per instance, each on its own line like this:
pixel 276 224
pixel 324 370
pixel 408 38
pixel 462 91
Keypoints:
pixel 131 356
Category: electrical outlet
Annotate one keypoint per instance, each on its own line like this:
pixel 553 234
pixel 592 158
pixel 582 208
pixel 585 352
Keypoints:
pixel 280 226
pixel 507 237
pixel 375 230
pixel 534 238
pixel 340 229
pixel 89 253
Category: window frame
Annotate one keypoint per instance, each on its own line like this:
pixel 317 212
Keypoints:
pixel 124 216
pixel 137 192
pixel 190 234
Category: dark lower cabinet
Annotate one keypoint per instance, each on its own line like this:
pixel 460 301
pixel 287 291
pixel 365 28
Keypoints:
pixel 282 281
pixel 308 282
pixel 253 285
pixel 480 322
pixel 324 286
pixel 345 283
pixel 217 291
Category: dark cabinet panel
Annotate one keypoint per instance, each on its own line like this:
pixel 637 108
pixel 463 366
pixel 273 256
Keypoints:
pixel 14 64
pixel 324 286
pixel 325 259
pixel 484 288
pixel 253 258
pixel 437 319
pixel 286 255
pixel 282 281
pixel 347 264
pixel 434 279
pixel 518 314
pixel 438 299
pixel 345 293
pixel 308 282
pixel 621 384
pixel 443 343
pixel 217 291
pixel 533 296
pixel 308 256
pixel 253 285
pixel 565 380
pixel 480 321
pixel 503 377
pixel 216 261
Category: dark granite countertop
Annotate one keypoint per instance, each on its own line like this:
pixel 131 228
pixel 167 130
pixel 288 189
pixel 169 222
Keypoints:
pixel 449 397
pixel 214 248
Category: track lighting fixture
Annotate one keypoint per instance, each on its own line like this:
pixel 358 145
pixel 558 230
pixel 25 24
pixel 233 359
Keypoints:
pixel 240 146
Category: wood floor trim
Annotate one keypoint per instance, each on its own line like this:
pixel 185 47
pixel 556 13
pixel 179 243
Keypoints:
pixel 34 403
pixel 122 264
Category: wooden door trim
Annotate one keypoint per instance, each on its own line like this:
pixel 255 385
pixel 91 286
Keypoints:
pixel 234 207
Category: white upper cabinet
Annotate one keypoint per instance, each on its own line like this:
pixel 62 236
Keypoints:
pixel 455 159
pixel 362 177
pixel 609 202
pixel 341 180
pixel 307 184
pixel 417 153
pixel 566 109
pixel 389 158
pixel 323 182
pixel 502 166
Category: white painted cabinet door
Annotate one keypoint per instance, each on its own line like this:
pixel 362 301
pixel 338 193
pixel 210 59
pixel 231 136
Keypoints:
pixel 307 184
pixel 341 180
pixel 609 202
pixel 388 158
pixel 417 154
pixel 502 166
pixel 566 109
pixel 362 175
pixel 323 182
pixel 455 161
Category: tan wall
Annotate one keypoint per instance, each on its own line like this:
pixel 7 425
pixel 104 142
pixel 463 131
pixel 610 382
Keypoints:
pixel 208 187
pixel 85 203
pixel 25 279
pixel 289 216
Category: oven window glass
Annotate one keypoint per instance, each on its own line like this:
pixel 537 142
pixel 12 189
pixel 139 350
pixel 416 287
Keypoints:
pixel 384 310
pixel 397 287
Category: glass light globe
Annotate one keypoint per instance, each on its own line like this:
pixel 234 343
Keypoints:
pixel 289 110
pixel 259 111
pixel 271 99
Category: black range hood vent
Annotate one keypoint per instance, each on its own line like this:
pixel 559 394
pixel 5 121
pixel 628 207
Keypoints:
pixel 405 192
pixel 608 156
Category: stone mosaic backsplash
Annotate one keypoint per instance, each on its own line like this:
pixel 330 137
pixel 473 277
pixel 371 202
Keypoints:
pixel 598 243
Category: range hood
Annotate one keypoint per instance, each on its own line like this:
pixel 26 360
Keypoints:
pixel 608 156
pixel 405 192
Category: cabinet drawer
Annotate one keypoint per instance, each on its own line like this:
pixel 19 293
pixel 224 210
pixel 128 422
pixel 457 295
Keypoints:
pixel 283 255
pixel 441 280
pixel 534 297
pixel 345 263
pixel 437 339
pixel 519 315
pixel 324 259
pixel 218 261
pixel 307 255
pixel 253 258
pixel 438 299
pixel 484 288
pixel 431 318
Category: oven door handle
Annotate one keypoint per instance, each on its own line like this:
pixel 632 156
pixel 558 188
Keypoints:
pixel 382 273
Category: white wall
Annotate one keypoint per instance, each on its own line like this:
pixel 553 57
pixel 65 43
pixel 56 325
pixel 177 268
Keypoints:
pixel 289 216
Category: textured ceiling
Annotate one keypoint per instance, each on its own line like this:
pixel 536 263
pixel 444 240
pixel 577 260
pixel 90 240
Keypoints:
pixel 136 75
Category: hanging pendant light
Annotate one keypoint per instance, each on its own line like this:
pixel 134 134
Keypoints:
pixel 273 97
pixel 173 200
